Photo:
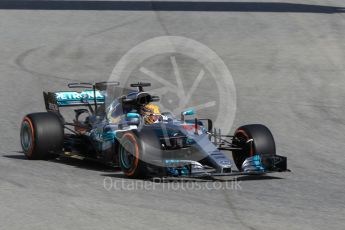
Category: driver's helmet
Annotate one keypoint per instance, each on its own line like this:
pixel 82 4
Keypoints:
pixel 151 113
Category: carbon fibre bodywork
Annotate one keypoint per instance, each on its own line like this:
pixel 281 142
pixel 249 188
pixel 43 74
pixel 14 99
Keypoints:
pixel 178 146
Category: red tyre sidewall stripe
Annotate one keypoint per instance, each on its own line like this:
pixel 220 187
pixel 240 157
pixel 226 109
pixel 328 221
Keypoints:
pixel 27 119
pixel 251 153
pixel 136 159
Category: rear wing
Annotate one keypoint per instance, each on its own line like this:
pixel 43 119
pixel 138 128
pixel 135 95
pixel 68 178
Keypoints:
pixel 54 100
pixel 92 95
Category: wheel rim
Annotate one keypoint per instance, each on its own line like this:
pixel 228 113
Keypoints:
pixel 247 150
pixel 127 154
pixel 26 137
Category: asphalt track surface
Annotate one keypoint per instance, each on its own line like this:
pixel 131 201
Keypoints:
pixel 288 64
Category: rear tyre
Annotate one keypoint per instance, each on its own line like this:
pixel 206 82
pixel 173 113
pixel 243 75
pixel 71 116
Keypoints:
pixel 41 136
pixel 254 139
pixel 130 155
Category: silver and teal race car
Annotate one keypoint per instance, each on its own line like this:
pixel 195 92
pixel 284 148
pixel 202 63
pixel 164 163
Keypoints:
pixel 109 126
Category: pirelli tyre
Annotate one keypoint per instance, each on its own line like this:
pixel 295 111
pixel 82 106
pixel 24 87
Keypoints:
pixel 41 135
pixel 130 156
pixel 255 139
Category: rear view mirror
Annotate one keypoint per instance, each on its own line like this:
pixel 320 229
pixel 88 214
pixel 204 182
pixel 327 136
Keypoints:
pixel 186 113
pixel 133 115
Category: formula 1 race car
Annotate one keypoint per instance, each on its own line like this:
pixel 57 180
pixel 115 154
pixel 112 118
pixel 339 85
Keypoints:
pixel 128 131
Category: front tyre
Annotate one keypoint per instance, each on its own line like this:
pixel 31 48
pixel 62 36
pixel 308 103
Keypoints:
pixel 253 140
pixel 130 153
pixel 41 136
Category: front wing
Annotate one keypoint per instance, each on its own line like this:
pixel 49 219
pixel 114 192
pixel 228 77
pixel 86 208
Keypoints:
pixel 255 165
